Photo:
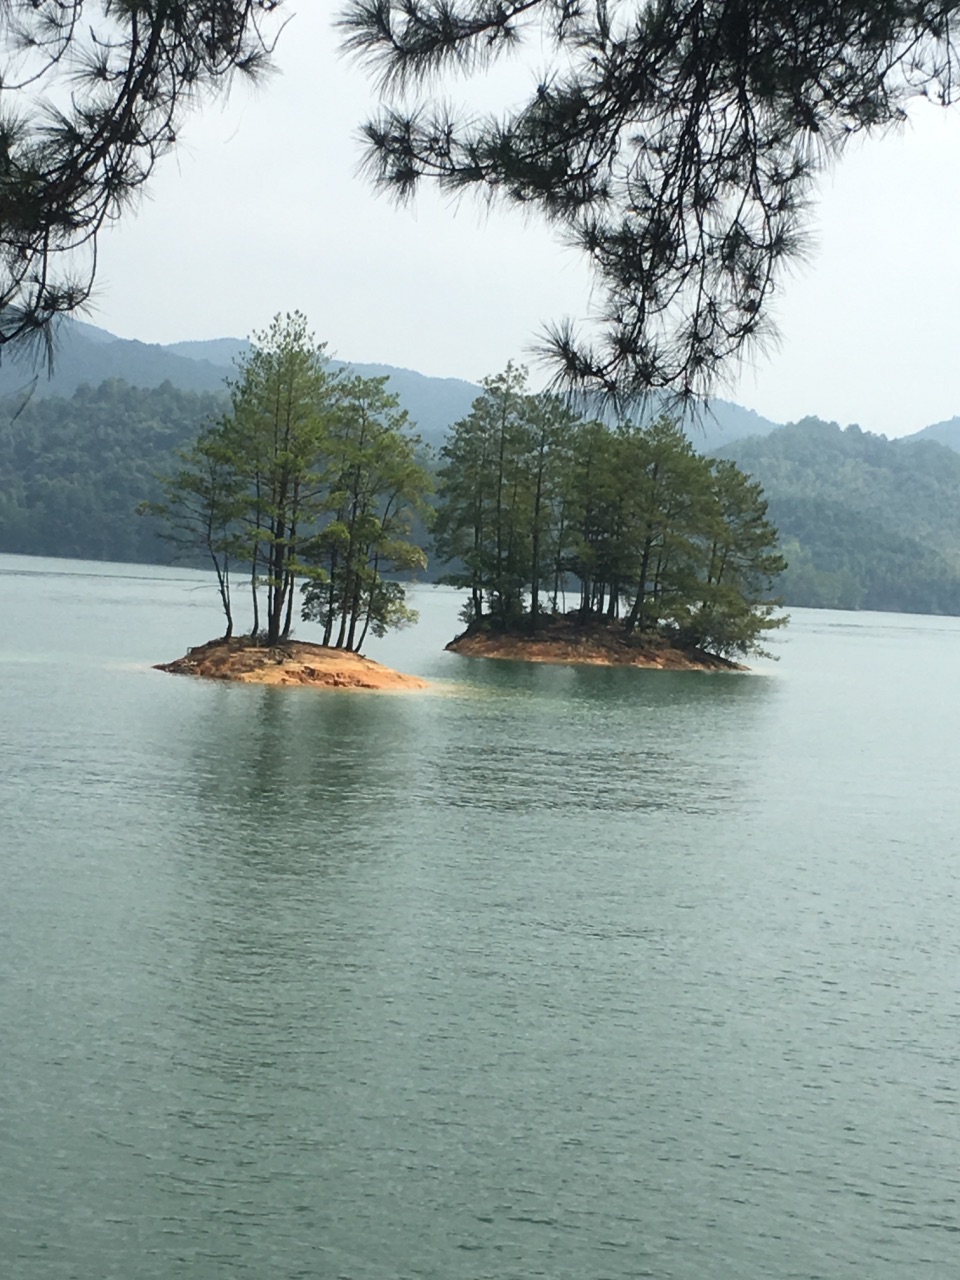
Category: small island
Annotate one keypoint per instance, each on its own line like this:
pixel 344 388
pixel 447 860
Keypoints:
pixel 668 554
pixel 294 662
pixel 567 641
pixel 311 484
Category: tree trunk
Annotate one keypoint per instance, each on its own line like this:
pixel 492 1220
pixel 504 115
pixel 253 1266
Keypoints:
pixel 476 585
pixel 331 597
pixel 254 592
pixel 275 590
pixel 535 550
pixel 354 612
pixel 289 577
pixel 366 621
pixel 223 586
pixel 636 613
pixel 557 560
pixel 288 620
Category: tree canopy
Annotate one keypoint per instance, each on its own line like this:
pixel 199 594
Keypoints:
pixel 312 477
pixel 675 143
pixel 652 537
pixel 866 523
pixel 92 93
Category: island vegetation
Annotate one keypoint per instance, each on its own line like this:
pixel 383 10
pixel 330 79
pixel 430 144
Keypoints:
pixel 311 479
pixel 562 529
pixel 865 522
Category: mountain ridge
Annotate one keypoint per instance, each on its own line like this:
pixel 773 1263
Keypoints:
pixel 88 355
pixel 865 522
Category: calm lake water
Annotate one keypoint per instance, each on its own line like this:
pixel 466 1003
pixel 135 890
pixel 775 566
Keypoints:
pixel 550 972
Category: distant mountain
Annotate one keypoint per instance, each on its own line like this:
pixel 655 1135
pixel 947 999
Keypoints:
pixel 221 352
pixel 87 355
pixel 947 433
pixel 865 522
pixel 721 422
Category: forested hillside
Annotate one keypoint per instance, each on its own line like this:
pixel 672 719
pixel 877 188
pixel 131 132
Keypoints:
pixel 72 472
pixel 88 356
pixel 865 522
pixel 79 450
pixel 947 433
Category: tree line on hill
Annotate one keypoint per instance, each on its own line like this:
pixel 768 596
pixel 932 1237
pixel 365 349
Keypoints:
pixel 865 522
pixel 72 472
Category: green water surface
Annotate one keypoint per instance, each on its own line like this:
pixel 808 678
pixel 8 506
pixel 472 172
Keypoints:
pixel 549 972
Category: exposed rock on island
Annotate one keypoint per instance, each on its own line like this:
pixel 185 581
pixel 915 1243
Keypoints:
pixel 295 662
pixel 565 641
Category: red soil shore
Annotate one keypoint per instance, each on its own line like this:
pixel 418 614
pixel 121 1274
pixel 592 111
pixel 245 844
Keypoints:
pixel 293 663
pixel 562 640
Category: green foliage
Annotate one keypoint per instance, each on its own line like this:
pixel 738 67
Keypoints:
pixel 312 476
pixel 674 143
pixel 201 505
pixel 867 523
pixel 73 471
pixel 375 487
pixel 275 440
pixel 91 95
pixel 656 537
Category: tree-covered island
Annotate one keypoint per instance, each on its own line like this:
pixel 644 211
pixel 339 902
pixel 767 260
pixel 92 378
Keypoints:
pixel 575 540
pixel 313 479
pixel 581 541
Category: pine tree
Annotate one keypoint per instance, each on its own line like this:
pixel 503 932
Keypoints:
pixel 283 407
pixel 375 487
pixel 122 77
pixel 662 541
pixel 674 143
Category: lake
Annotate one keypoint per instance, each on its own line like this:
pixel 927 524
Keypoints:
pixel 548 972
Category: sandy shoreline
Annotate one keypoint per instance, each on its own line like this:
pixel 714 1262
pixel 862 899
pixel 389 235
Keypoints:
pixel 294 663
pixel 589 649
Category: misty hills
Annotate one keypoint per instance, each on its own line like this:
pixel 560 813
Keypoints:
pixel 88 355
pixel 947 433
pixel 865 522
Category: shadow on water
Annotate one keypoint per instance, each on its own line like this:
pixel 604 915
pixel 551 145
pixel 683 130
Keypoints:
pixel 308 779
pixel 292 803
pixel 292 772
pixel 638 687
pixel 597 738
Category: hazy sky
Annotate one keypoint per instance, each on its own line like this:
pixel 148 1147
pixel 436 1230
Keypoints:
pixel 261 209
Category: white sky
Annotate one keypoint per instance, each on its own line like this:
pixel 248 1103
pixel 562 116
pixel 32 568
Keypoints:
pixel 261 210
